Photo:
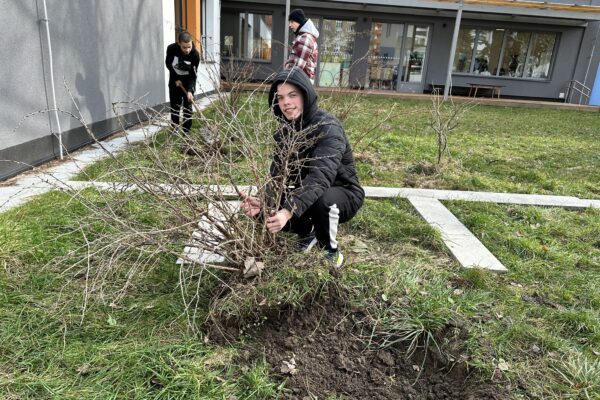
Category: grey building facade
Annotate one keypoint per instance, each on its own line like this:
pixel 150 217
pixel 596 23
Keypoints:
pixel 107 61
pixel 527 49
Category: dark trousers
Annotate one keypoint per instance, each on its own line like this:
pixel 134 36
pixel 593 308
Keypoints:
pixel 337 205
pixel 178 99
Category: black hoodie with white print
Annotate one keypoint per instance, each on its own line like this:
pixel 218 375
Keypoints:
pixel 182 67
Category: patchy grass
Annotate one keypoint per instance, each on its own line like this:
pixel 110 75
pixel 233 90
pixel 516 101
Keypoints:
pixel 545 312
pixel 502 149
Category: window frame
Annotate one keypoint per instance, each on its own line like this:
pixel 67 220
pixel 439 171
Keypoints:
pixel 239 12
pixel 533 34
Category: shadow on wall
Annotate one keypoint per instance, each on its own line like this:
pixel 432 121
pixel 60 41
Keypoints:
pixel 90 87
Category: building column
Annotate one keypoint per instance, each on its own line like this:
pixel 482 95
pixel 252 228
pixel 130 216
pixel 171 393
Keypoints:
pixel 453 50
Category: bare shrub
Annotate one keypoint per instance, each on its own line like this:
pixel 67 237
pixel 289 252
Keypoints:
pixel 174 191
pixel 445 117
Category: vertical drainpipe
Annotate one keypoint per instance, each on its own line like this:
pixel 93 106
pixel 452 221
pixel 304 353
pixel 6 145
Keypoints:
pixel 286 35
pixel 453 50
pixel 52 89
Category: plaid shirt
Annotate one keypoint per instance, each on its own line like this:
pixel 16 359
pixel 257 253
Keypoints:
pixel 304 54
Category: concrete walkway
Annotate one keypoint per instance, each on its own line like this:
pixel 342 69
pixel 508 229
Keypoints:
pixel 463 245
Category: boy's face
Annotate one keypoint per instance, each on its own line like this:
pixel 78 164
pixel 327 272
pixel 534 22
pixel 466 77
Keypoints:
pixel 290 100
pixel 294 25
pixel 186 47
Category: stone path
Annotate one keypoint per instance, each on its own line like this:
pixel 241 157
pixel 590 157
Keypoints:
pixel 463 245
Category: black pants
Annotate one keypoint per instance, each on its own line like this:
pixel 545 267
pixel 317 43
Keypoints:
pixel 337 205
pixel 178 99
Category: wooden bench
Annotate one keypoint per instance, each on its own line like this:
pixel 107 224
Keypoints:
pixel 456 90
pixel 474 88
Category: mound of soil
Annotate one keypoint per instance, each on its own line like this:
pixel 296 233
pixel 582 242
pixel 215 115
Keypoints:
pixel 320 352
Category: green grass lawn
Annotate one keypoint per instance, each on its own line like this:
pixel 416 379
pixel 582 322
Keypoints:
pixel 536 327
pixel 505 149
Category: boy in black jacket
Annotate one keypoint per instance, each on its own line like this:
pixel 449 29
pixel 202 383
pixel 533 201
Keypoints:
pixel 182 62
pixel 313 165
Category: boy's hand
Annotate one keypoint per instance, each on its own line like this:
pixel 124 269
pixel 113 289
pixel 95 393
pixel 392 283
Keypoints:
pixel 250 205
pixel 277 221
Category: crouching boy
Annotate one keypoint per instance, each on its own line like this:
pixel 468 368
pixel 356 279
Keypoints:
pixel 312 166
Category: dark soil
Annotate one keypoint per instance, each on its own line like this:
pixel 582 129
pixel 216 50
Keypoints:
pixel 328 356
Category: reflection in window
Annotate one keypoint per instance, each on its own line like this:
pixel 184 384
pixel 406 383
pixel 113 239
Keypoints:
pixel 515 52
pixel 246 35
pixel 524 54
pixel 538 65
pixel 415 47
pixel 335 52
pixel 464 50
pixel 487 51
pixel 385 55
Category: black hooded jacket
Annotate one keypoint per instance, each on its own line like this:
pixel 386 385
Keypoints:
pixel 312 152
pixel 182 67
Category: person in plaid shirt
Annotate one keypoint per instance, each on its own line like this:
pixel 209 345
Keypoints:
pixel 305 51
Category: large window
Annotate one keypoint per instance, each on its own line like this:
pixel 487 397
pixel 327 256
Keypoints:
pixel 335 52
pixel 540 56
pixel 500 52
pixel 464 50
pixel 385 55
pixel 246 35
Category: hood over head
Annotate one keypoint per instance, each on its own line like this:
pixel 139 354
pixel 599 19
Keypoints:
pixel 297 77
pixel 308 27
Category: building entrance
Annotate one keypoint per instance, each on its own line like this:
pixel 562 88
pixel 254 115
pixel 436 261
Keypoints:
pixel 397 56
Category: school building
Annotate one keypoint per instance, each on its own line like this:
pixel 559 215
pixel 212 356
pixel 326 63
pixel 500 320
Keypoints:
pixel 69 62
pixel 66 63
pixel 547 50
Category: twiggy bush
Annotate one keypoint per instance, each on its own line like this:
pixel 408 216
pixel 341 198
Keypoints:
pixel 445 117
pixel 175 190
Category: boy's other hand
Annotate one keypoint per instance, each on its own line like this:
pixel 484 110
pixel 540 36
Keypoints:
pixel 277 221
pixel 250 205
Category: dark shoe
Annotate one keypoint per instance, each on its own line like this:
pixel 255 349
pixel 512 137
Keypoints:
pixel 305 243
pixel 335 257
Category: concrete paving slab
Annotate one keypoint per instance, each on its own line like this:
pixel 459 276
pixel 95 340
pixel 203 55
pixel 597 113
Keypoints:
pixel 594 203
pixel 463 245
pixel 88 156
pixel 208 232
pixel 15 196
pixel 489 197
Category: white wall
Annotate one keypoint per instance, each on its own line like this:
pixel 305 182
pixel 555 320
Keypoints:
pixel 168 11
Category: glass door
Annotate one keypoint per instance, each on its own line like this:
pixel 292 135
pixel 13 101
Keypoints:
pixel 385 54
pixel 335 52
pixel 414 52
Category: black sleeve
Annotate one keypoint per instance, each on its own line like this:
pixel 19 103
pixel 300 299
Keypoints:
pixel 169 60
pixel 322 170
